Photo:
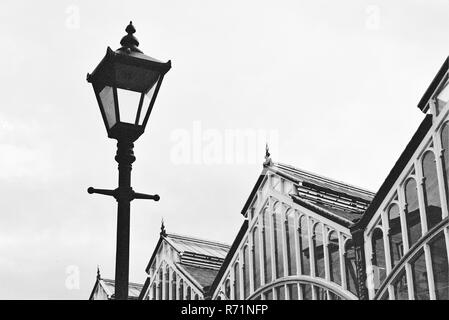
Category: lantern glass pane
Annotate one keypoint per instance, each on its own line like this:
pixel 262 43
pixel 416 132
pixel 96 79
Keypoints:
pixel 146 102
pixel 128 103
pixel 107 101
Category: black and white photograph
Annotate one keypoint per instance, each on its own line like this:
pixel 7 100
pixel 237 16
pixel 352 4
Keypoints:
pixel 233 151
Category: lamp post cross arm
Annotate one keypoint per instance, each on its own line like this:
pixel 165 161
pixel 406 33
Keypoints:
pixel 123 194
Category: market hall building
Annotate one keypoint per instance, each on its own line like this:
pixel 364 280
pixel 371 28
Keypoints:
pixel 308 237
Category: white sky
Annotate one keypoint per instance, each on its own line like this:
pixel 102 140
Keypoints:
pixel 337 81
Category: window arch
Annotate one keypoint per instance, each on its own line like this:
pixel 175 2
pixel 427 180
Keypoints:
pixel 256 258
pixel 278 224
pixel 267 246
pixel 228 289
pixel 236 281
pixel 412 215
pixel 431 191
pixel 378 257
pixel 291 244
pixel 445 147
pixel 395 234
pixel 246 289
pixel 304 245
pixel 318 250
pixel 333 249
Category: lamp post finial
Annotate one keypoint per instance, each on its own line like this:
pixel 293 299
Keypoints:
pixel 129 42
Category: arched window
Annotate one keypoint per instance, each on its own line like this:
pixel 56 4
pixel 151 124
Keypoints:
pixel 378 258
pixel 413 218
pixel 320 293
pixel 400 286
pixel 280 292
pixel 419 274
pixel 236 281
pixel 350 267
pixel 159 286
pixel 228 289
pixel 173 286
pixel 334 257
pixel 290 232
pixel 196 297
pixel 306 291
pixel 304 245
pixel 318 250
pixel 154 292
pixel 440 265
pixel 188 293
pixel 292 291
pixel 245 266
pixel 333 296
pixel 167 283
pixel 268 294
pixel 267 246
pixel 181 290
pixel 445 146
pixel 395 235
pixel 432 193
pixel 256 258
pixel 278 222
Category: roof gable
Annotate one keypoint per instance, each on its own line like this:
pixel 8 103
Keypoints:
pixel 339 201
pixel 193 251
pixel 106 287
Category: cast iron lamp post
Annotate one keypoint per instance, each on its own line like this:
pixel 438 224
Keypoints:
pixel 125 76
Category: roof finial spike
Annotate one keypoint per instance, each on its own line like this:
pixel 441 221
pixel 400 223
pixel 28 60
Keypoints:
pixel 163 231
pixel 98 272
pixel 267 155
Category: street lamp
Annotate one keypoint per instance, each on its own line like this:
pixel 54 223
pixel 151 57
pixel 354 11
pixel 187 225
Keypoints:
pixel 126 84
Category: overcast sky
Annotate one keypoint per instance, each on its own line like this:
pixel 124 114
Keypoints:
pixel 332 85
